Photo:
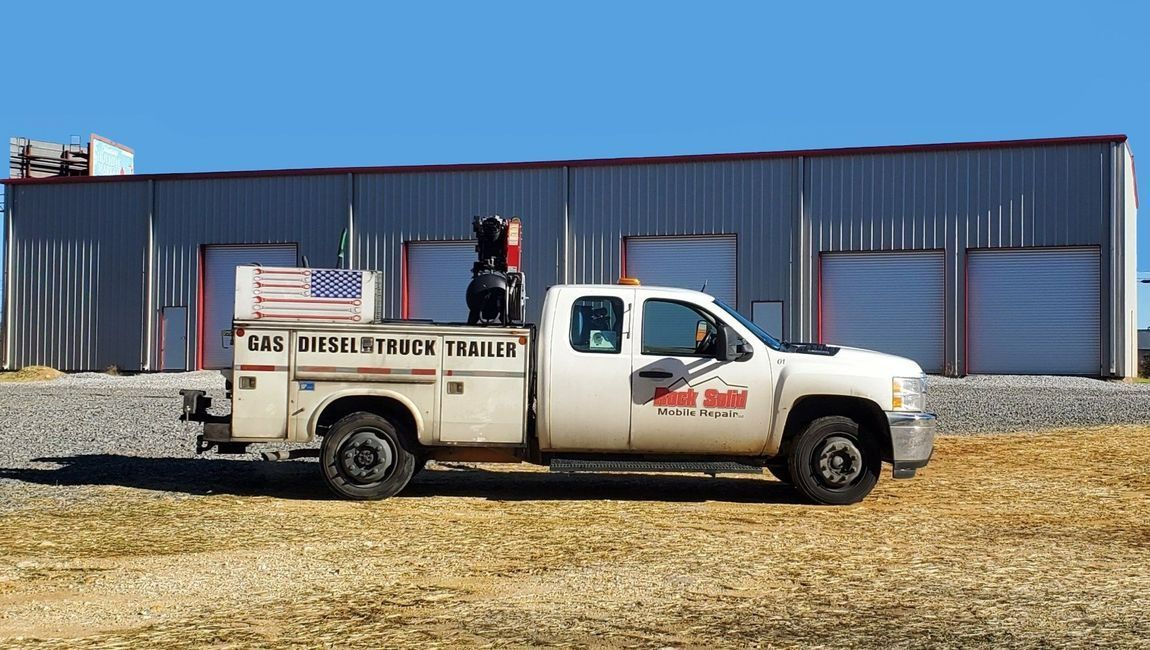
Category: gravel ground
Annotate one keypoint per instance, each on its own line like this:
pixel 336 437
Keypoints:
pixel 1002 403
pixel 93 414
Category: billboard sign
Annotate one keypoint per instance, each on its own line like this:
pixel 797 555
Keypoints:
pixel 107 158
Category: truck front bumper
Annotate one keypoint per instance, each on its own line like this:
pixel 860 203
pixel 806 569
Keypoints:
pixel 911 441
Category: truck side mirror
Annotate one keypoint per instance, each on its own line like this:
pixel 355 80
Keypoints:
pixel 731 346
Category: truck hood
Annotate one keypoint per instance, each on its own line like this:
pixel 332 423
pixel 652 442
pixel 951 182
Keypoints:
pixel 895 366
pixel 857 361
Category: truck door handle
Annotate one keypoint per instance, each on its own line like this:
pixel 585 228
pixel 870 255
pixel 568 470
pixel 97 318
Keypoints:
pixel 655 374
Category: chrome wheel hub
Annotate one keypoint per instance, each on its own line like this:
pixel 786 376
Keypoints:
pixel 839 462
pixel 366 457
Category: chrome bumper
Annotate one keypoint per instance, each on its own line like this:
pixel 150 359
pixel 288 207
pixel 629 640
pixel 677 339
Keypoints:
pixel 911 441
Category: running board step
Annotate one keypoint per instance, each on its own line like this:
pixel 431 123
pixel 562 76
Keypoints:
pixel 566 466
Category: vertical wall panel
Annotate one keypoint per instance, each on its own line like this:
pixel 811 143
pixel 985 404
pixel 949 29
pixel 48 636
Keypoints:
pixel 77 275
pixel 310 211
pixel 754 200
pixel 391 209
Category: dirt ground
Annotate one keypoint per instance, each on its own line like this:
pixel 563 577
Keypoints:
pixel 1022 540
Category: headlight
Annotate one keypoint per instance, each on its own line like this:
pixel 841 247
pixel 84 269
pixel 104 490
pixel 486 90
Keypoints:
pixel 908 393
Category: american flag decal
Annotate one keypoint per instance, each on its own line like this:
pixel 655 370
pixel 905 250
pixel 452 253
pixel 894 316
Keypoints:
pixel 336 284
pixel 320 294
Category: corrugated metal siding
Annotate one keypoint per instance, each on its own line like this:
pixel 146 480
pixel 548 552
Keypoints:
pixel 391 209
pixel 78 275
pixel 784 211
pixel 757 200
pixel 308 211
pixel 954 200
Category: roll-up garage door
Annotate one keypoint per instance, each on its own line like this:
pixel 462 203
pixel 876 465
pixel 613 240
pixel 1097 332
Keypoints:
pixel 1034 312
pixel 437 277
pixel 219 289
pixel 890 302
pixel 686 262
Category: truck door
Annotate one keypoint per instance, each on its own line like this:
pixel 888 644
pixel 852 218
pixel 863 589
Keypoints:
pixel 589 368
pixel 683 400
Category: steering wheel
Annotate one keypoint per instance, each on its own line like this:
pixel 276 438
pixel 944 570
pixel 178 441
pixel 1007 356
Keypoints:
pixel 708 341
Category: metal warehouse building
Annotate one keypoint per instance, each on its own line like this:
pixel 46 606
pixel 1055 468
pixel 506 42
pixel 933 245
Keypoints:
pixel 997 257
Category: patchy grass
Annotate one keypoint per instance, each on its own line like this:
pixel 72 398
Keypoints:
pixel 32 373
pixel 1019 540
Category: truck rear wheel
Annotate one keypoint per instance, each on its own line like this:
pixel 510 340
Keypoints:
pixel 832 464
pixel 363 457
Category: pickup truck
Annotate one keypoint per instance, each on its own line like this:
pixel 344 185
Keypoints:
pixel 615 378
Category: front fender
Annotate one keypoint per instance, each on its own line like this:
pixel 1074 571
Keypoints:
pixel 796 382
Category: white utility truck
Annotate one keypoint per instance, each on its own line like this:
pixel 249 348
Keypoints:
pixel 619 377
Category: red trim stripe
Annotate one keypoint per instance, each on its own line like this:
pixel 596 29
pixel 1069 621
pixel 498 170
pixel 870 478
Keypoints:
pixel 819 283
pixel 1134 178
pixel 368 370
pixel 311 301
pixel 199 306
pixel 403 308
pixel 258 367
pixel 323 316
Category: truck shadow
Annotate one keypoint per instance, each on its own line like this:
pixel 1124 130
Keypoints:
pixel 301 480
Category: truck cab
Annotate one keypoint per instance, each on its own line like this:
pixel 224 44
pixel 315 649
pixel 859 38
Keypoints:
pixel 672 372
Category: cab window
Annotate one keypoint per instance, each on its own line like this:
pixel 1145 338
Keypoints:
pixel 597 324
pixel 677 329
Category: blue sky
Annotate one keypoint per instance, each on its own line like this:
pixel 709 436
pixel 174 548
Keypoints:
pixel 240 85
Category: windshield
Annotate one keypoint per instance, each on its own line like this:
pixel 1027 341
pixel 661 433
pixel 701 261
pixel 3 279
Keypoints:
pixel 755 329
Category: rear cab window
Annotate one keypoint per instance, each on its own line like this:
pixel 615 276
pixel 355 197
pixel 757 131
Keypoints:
pixel 596 324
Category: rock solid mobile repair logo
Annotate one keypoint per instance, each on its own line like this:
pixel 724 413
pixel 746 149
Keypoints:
pixel 684 400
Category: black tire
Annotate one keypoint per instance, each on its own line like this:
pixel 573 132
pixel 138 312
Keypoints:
pixel 832 464
pixel 363 457
pixel 780 471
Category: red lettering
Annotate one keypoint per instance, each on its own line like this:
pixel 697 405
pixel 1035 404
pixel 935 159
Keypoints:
pixel 668 397
pixel 724 399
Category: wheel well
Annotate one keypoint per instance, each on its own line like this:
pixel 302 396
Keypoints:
pixel 392 409
pixel 870 417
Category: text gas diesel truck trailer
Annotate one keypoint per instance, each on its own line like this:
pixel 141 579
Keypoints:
pixel 620 377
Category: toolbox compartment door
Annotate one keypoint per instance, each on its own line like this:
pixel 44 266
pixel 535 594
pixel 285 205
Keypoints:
pixel 483 398
pixel 260 383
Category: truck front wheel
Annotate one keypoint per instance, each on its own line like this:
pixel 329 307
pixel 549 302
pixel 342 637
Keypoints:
pixel 363 457
pixel 832 464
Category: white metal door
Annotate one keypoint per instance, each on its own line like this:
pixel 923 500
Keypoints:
pixel 685 262
pixel 889 302
pixel 683 400
pixel 588 404
pixel 1034 312
pixel 437 277
pixel 219 293
pixel 173 338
